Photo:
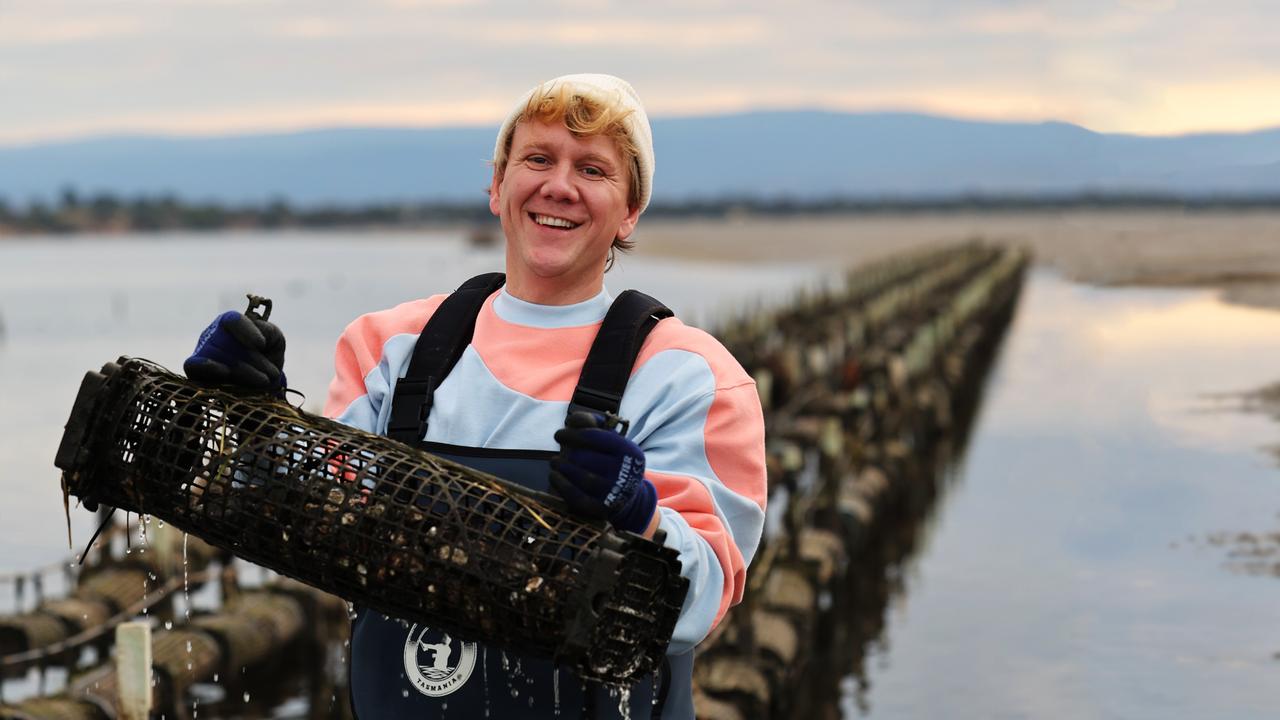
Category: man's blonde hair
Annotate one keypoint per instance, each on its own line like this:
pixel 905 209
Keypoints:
pixel 584 117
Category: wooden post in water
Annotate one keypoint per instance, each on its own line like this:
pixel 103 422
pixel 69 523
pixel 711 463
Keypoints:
pixel 133 669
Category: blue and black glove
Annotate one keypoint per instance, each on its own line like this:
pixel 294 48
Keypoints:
pixel 241 349
pixel 600 474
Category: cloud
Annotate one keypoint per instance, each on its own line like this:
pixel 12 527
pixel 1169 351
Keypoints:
pixel 1244 102
pixel 313 28
pixel 1136 65
pixel 35 32
pixel 416 4
pixel 283 117
pixel 703 35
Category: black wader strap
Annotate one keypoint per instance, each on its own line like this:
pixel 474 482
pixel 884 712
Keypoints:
pixel 604 374
pixel 439 346
pixel 608 367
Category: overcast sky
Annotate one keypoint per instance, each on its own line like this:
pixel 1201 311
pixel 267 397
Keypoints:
pixel 73 68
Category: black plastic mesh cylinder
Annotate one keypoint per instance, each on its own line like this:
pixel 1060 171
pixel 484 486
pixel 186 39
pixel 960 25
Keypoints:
pixel 372 520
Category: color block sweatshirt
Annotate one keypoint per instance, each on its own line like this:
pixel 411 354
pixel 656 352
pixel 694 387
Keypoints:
pixel 692 408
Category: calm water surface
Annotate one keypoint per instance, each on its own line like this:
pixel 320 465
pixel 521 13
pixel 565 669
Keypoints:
pixel 1064 574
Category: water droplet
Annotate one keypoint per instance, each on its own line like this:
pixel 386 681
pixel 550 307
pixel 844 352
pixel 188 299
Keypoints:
pixel 404 693
pixel 186 583
pixel 246 696
pixel 215 677
pixel 168 624
pixel 624 702
pixel 484 665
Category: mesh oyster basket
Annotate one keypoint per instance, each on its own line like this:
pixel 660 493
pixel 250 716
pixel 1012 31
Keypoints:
pixel 372 520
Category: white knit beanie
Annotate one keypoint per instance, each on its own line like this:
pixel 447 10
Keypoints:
pixel 608 90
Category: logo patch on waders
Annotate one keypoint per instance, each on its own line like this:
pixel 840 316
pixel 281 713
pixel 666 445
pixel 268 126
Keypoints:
pixel 435 663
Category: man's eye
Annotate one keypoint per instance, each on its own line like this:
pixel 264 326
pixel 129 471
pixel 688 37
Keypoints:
pixel 592 171
pixel 537 160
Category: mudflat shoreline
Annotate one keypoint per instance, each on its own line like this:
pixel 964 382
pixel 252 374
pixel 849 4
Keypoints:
pixel 1237 251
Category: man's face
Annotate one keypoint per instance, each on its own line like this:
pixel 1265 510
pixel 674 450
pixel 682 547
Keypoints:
pixel 562 200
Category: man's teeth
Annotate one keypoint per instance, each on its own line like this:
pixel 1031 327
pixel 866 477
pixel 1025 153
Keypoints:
pixel 554 221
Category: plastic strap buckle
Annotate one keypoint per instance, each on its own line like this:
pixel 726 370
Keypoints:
pixel 594 401
pixel 603 403
pixel 410 408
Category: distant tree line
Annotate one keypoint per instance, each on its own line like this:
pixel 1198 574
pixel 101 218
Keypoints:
pixel 108 213
pixel 105 212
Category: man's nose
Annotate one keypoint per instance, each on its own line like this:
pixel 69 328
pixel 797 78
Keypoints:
pixel 558 184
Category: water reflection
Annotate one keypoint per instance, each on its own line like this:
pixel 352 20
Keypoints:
pixel 882 573
pixel 1061 577
pixel 881 576
pixel 1121 361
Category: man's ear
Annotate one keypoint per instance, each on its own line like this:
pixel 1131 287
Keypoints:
pixel 628 224
pixel 495 193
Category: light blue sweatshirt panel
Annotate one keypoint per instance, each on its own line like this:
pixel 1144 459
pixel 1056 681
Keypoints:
pixel 700 565
pixel 370 412
pixel 473 408
pixel 519 312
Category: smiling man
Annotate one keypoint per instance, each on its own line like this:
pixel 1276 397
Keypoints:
pixel 566 194
pixel 572 172
pixel 546 379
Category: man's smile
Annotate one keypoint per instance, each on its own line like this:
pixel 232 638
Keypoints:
pixel 552 221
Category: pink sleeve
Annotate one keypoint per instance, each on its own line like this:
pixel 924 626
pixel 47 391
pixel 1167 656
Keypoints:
pixel 361 345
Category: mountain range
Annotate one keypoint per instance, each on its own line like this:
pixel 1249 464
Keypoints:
pixel 797 155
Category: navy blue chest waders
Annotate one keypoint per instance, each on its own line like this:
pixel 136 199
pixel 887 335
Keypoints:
pixel 404 671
